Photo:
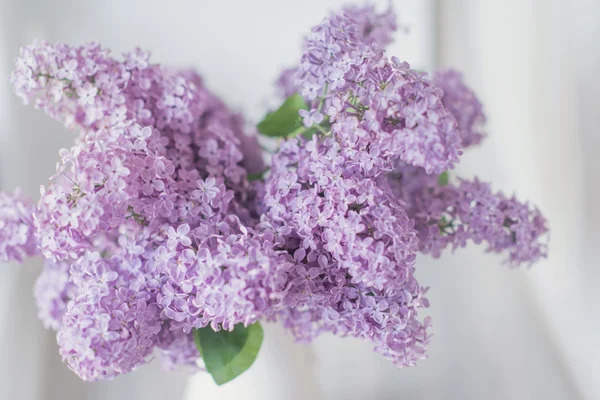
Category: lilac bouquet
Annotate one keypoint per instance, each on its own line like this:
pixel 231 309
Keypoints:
pixel 163 231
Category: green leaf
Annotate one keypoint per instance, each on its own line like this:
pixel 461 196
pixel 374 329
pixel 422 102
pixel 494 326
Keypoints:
pixel 285 120
pixel 309 132
pixel 443 178
pixel 227 354
pixel 257 176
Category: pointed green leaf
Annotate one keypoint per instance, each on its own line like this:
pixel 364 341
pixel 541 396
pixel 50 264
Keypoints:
pixel 285 120
pixel 227 354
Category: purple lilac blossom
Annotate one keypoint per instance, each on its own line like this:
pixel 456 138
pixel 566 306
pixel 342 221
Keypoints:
pixel 374 29
pixel 17 232
pixel 177 348
pixel 375 104
pixel 351 232
pixel 338 213
pixel 52 291
pixel 352 247
pixel 151 197
pixel 462 103
pixel 327 198
pixel 453 215
pixel 111 325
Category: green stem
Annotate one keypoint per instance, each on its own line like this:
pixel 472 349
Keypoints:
pixel 322 102
pixel 322 130
pixel 298 131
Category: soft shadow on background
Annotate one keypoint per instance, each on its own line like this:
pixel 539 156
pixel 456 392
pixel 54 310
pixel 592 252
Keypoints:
pixel 499 334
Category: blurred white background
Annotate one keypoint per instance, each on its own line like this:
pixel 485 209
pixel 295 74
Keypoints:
pixel 499 334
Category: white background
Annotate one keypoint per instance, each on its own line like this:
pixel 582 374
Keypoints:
pixel 499 334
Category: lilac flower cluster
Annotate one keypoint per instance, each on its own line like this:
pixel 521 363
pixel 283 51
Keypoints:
pixel 111 325
pixel 17 239
pixel 454 215
pixel 373 28
pixel 145 221
pixel 378 107
pixel 327 198
pixel 151 227
pixel 462 103
pixel 356 201
pixel 353 249
pixel 53 290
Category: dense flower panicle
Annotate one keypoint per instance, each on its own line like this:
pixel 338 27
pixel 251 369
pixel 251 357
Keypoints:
pixel 17 232
pixel 373 103
pixel 339 213
pixel 138 157
pixel 331 204
pixel 454 215
pixel 235 278
pixel 177 348
pixel 463 105
pixel 52 291
pixel 171 134
pixel 111 325
pixel 122 91
pixel 397 114
pixel 327 199
pixel 83 85
pixel 373 28
pixel 156 184
pixel 388 319
pixel 164 293
pixel 345 235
